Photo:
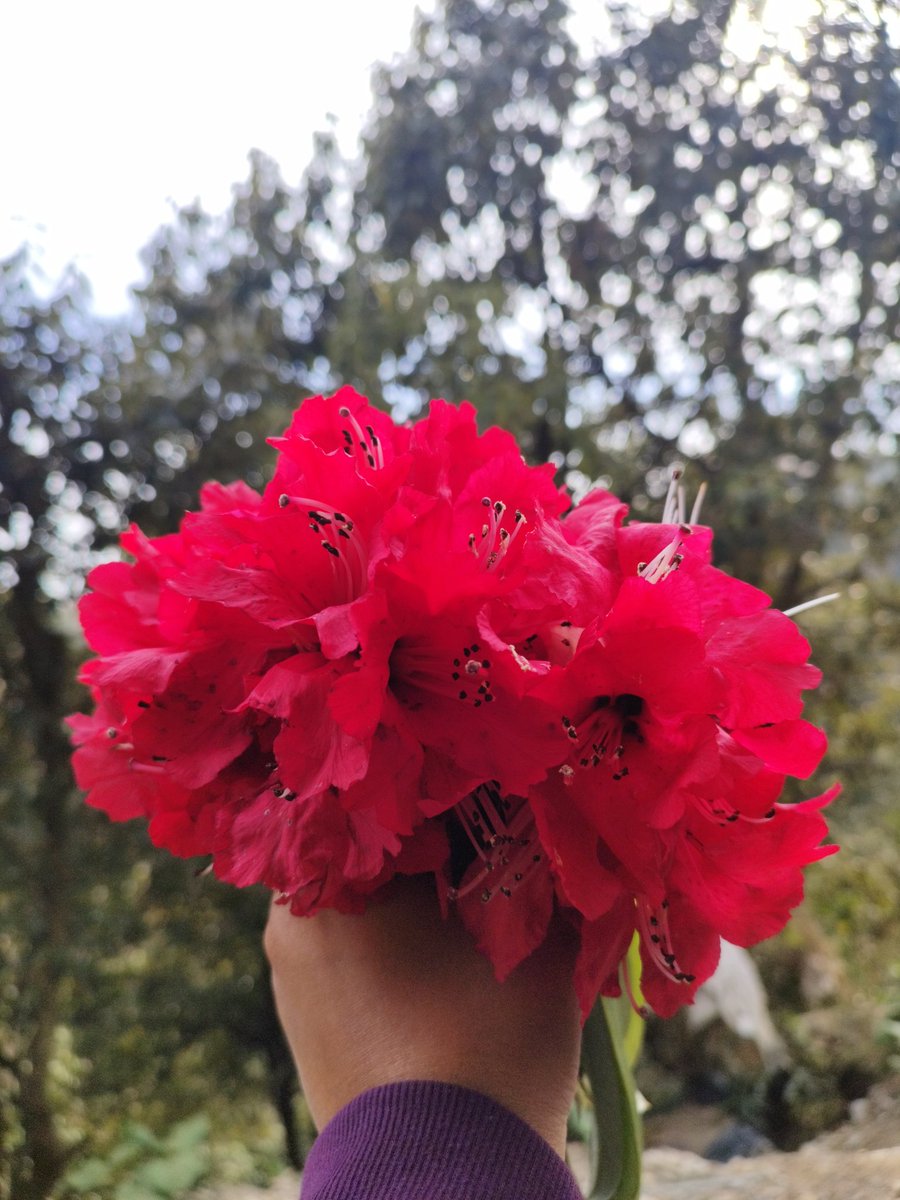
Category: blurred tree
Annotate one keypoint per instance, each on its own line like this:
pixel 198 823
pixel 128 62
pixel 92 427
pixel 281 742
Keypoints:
pixel 51 399
pixel 229 333
pixel 682 245
pixel 106 987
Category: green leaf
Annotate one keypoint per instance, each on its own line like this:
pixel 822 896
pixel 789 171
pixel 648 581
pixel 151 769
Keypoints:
pixel 129 1190
pixel 136 1134
pixel 611 1043
pixel 89 1175
pixel 188 1134
pixel 173 1176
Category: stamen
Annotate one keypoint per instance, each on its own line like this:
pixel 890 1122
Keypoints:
pixel 698 503
pixel 670 507
pixel 654 928
pixel 663 563
pixel 496 540
pixel 330 525
pixel 146 768
pixel 376 446
pixel 799 608
pixel 722 813
pixel 374 456
pixel 501 830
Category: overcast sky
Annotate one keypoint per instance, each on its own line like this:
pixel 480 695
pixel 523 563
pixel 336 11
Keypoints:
pixel 114 110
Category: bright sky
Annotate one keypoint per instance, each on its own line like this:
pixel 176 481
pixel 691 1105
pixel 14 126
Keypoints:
pixel 117 109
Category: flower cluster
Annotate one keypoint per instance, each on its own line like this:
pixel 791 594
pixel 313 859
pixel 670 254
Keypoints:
pixel 411 654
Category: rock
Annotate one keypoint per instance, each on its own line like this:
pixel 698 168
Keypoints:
pixel 738 1141
pixel 812 1175
pixel 737 996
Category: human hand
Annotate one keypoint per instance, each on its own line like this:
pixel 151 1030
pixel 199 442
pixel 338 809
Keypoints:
pixel 399 993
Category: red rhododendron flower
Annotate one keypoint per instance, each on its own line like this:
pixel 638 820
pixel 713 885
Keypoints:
pixel 410 654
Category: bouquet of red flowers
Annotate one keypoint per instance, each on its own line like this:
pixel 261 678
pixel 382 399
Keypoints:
pixel 412 654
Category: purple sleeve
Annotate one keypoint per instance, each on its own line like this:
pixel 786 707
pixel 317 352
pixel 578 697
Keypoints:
pixel 432 1141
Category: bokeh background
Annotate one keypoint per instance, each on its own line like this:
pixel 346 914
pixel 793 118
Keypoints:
pixel 635 234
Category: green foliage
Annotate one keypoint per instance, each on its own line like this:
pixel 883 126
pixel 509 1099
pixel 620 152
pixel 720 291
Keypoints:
pixel 142 1166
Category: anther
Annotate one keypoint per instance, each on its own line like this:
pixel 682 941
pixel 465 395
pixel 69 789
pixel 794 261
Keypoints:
pixel 284 500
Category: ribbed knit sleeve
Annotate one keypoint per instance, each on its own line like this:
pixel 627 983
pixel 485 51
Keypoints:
pixel 432 1141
